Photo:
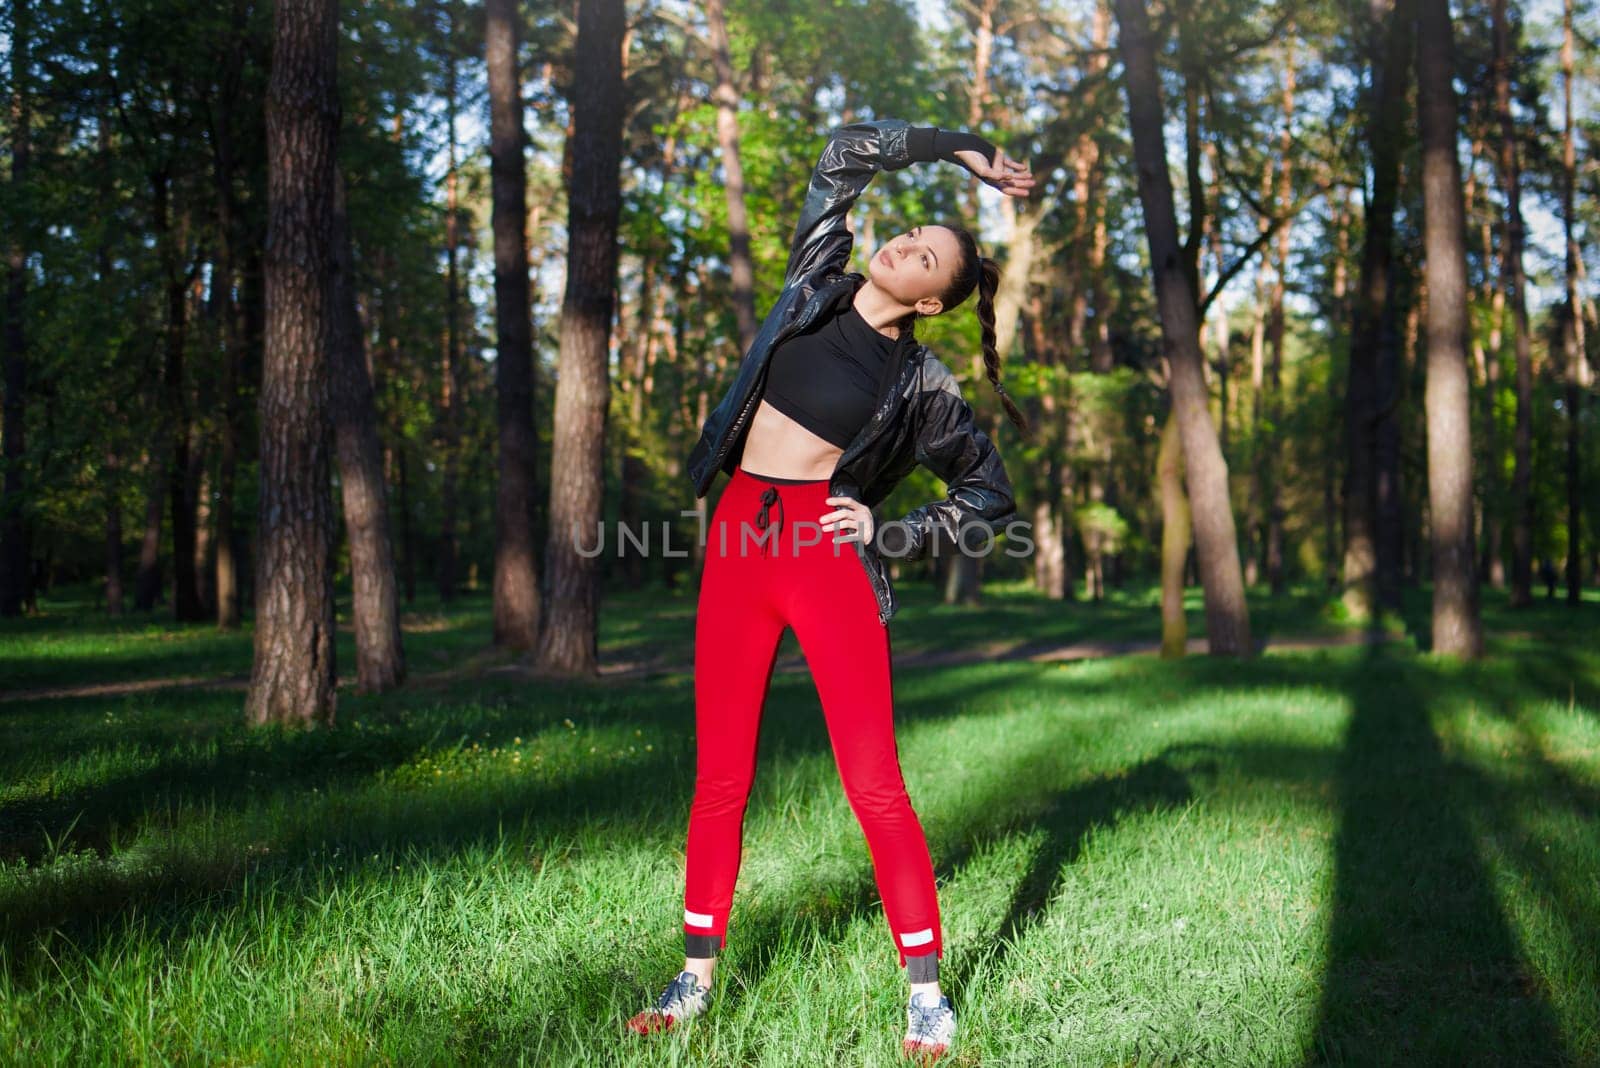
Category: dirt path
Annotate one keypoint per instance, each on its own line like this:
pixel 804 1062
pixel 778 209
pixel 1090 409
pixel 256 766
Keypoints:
pixel 1034 651
pixel 1038 651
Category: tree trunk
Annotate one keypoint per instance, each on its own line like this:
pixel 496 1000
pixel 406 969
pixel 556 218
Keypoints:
pixel 204 543
pixel 1341 312
pixel 516 576
pixel 1571 327
pixel 1049 571
pixel 961 579
pixel 292 681
pixel 1487 360
pixel 568 642
pixel 227 565
pixel 1174 539
pixel 1227 616
pixel 408 543
pixel 225 570
pixel 449 419
pixel 983 15
pixel 726 95
pixel 1456 627
pixel 113 487
pixel 111 482
pixel 1273 490
pixel 186 605
pixel 1510 169
pixel 1390 49
pixel 1494 553
pixel 375 608
pixel 147 582
pixel 1100 352
pixel 1387 490
pixel 14 548
pixel 1260 449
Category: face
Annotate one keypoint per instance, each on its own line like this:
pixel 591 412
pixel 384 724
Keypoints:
pixel 916 266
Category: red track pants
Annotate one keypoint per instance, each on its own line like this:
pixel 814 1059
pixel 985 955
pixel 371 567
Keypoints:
pixel 770 565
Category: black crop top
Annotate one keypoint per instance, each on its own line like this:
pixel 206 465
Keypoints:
pixel 826 379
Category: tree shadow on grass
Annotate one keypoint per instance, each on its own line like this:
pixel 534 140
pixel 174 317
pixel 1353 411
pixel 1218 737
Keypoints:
pixel 1423 967
pixel 1423 963
pixel 205 760
pixel 1067 818
pixel 173 893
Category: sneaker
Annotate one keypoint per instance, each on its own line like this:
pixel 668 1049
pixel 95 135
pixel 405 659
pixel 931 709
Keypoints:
pixel 683 998
pixel 930 1027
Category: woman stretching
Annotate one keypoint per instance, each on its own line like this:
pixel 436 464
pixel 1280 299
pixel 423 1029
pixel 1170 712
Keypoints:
pixel 832 406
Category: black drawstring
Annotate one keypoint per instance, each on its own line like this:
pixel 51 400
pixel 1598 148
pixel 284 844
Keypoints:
pixel 768 499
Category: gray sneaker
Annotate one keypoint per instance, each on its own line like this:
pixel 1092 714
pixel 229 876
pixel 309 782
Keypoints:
pixel 683 998
pixel 930 1027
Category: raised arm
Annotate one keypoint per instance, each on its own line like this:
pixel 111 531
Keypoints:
pixel 855 152
pixel 950 444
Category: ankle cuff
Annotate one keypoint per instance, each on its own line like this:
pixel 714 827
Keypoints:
pixel 699 946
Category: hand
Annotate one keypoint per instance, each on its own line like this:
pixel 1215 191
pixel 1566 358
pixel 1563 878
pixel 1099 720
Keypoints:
pixel 1012 177
pixel 851 515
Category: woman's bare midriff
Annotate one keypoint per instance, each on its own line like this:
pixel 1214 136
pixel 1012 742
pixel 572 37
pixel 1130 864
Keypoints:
pixel 778 446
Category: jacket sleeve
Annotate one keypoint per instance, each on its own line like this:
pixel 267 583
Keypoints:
pixel 951 445
pixel 854 153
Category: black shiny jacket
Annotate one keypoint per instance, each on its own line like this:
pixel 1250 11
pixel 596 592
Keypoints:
pixel 921 416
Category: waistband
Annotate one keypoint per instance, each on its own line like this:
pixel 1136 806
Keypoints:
pixel 742 470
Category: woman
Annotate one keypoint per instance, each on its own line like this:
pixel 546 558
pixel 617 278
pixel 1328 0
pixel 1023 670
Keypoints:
pixel 832 406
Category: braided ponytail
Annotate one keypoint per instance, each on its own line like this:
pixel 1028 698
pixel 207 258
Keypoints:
pixel 988 284
pixel 979 272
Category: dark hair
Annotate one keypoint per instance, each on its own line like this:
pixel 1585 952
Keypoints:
pixel 976 271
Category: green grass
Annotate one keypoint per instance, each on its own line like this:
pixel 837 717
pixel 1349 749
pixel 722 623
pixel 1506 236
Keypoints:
pixel 1350 856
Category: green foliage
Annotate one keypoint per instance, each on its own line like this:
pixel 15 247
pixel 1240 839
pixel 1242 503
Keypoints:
pixel 1100 524
pixel 177 88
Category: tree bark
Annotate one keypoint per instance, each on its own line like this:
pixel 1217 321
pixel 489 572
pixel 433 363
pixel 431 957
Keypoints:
pixel 113 504
pixel 292 681
pixel 186 606
pixel 1571 326
pixel 14 549
pixel 1227 615
pixel 227 565
pixel 1456 627
pixel 516 576
pixel 726 95
pixel 1341 311
pixel 1094 204
pixel 1390 27
pixel 568 642
pixel 1174 539
pixel 408 543
pixel 1260 450
pixel 225 569
pixel 1273 490
pixel 983 34
pixel 1491 568
pixel 111 483
pixel 1515 279
pixel 375 607
pixel 1388 492
pixel 449 417
pixel 147 582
